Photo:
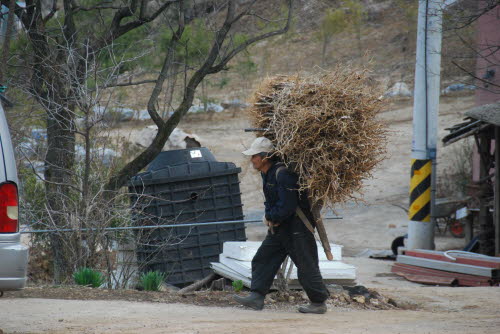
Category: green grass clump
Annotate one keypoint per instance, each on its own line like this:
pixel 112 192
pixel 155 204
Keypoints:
pixel 88 277
pixel 237 285
pixel 152 280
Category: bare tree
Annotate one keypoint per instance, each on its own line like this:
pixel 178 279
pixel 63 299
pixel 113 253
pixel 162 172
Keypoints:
pixel 64 73
pixel 478 56
pixel 221 52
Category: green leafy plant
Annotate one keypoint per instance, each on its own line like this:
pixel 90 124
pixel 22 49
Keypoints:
pixel 334 22
pixel 237 285
pixel 152 280
pixel 88 277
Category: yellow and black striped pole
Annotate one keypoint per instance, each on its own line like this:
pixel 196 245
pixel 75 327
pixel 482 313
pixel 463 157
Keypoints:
pixel 420 190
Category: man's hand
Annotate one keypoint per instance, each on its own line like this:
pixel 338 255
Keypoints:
pixel 265 221
pixel 269 223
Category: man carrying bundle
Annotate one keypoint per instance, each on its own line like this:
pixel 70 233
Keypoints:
pixel 287 235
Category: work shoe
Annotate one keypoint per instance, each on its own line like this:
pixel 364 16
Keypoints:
pixel 255 300
pixel 317 308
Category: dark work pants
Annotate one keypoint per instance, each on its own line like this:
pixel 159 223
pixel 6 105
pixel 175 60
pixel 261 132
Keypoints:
pixel 291 238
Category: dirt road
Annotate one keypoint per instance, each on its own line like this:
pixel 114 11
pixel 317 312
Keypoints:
pixel 446 310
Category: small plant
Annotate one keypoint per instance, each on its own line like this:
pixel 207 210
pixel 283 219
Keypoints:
pixel 88 277
pixel 152 280
pixel 238 285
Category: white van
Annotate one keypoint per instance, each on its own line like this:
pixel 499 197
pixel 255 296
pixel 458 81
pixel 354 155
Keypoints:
pixel 13 255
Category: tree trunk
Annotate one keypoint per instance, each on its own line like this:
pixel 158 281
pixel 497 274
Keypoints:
pixel 323 51
pixel 6 41
pixel 170 90
pixel 59 163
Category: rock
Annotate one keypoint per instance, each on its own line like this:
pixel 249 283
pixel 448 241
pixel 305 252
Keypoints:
pixel 178 139
pixel 236 103
pixel 218 284
pixel 304 296
pixel 392 302
pixel 374 302
pixel 123 114
pixel 168 287
pixel 269 300
pixel 359 299
pixel 211 107
pixel 345 297
pixel 105 155
pixel 291 299
pixel 335 288
pixel 141 115
pixel 399 89
pixel 358 290
pixel 457 88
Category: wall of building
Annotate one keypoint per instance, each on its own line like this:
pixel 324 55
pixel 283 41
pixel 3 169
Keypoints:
pixel 487 67
pixel 488 63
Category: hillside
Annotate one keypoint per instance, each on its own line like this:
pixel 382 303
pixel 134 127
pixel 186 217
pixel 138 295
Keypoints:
pixel 384 43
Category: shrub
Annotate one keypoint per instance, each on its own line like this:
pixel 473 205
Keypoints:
pixel 152 280
pixel 88 277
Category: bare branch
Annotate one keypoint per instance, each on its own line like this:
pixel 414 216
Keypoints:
pixel 52 12
pixel 176 36
pixel 116 29
pixel 474 75
pixel 484 8
pixel 222 64
pixel 130 83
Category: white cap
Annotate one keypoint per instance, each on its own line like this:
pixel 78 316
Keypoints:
pixel 259 145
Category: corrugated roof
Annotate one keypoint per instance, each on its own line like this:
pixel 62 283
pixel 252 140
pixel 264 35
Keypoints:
pixel 488 113
pixel 463 130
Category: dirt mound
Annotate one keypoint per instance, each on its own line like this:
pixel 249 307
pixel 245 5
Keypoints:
pixel 364 299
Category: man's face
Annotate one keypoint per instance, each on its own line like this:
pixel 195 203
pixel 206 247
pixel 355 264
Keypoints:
pixel 257 162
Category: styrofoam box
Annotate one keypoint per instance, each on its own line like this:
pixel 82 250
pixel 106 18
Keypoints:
pixel 245 250
pixel 328 269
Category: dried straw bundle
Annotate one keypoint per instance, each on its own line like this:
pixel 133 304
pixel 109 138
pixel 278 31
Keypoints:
pixel 325 128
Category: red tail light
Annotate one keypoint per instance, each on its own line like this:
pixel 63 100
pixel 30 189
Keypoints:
pixel 8 208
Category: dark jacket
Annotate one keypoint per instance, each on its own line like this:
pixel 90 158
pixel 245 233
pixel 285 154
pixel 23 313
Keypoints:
pixel 282 195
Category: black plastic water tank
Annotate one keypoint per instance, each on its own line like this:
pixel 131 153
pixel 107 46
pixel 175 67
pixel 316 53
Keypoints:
pixel 179 187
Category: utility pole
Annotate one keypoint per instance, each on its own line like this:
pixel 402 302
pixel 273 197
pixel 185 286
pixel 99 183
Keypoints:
pixel 425 120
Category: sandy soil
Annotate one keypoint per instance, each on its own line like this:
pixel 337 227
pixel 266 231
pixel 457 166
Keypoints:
pixel 65 316
pixel 373 224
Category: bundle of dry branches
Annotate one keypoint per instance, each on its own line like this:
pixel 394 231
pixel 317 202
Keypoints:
pixel 324 127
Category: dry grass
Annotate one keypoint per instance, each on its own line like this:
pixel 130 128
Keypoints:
pixel 324 126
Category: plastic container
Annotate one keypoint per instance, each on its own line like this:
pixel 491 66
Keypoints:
pixel 180 187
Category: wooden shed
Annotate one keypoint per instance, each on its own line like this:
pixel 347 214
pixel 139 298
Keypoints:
pixel 483 123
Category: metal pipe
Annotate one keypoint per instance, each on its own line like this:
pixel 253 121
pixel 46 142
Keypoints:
pixel 156 226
